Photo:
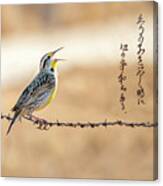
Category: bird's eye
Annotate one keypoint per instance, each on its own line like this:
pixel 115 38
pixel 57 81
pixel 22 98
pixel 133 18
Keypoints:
pixel 52 69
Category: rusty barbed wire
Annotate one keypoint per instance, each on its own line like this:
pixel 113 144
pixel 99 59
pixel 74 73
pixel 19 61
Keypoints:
pixel 45 125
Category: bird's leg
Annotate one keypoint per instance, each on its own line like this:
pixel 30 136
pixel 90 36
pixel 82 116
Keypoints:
pixel 37 120
pixel 34 119
pixel 41 122
pixel 43 126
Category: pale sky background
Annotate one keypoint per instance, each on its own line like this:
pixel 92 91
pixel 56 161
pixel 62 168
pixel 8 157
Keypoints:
pixel 89 43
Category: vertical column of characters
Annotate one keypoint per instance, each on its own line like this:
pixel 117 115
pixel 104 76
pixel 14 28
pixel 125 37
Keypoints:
pixel 123 77
pixel 140 65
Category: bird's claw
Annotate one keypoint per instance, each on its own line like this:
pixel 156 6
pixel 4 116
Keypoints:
pixel 43 127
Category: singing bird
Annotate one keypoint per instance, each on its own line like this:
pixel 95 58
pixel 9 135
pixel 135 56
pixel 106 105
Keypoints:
pixel 41 91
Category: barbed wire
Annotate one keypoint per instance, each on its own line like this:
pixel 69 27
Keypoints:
pixel 45 125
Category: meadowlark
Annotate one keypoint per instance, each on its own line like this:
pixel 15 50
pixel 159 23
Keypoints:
pixel 41 91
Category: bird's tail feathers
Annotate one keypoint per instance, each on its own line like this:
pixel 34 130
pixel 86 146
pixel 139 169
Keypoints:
pixel 17 113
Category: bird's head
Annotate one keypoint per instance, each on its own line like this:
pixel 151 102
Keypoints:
pixel 49 62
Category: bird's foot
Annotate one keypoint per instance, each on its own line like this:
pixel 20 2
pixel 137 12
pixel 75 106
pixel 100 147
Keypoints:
pixel 43 127
pixel 42 124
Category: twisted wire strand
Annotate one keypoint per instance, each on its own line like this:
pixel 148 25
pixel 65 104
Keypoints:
pixel 44 124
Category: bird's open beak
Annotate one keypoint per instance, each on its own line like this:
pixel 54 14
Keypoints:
pixel 56 59
pixel 60 60
pixel 55 51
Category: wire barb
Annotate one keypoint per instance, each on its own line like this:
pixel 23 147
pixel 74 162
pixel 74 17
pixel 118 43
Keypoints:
pixel 45 125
